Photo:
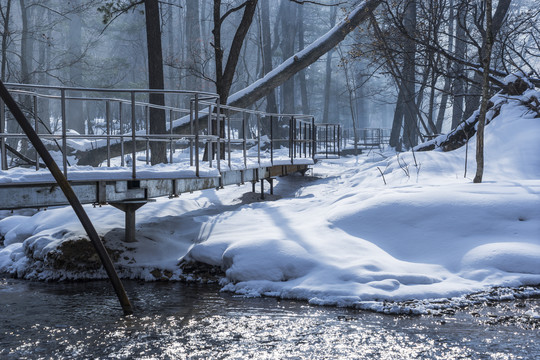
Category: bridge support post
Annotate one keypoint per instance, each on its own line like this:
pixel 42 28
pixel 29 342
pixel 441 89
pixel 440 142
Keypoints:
pixel 129 207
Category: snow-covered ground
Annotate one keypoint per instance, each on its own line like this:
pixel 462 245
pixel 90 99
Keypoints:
pixel 341 237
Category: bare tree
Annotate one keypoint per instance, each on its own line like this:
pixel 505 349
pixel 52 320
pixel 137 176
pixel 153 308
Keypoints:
pixel 486 62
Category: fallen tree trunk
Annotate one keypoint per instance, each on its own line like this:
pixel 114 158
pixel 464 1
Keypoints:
pixel 467 129
pixel 303 58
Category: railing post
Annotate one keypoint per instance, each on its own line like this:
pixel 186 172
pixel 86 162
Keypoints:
pixel 36 126
pixel 339 140
pixel 290 138
pixel 64 130
pixel 197 134
pixel 259 138
pixel 171 143
pixel 272 140
pixel 147 126
pixel 334 139
pixel 209 143
pixel 229 136
pixel 108 129
pixel 3 153
pixel 133 134
pixel 120 119
pixel 218 143
pixel 313 138
pixel 305 139
pixel 190 132
pixel 244 138
pixel 293 138
pixel 218 130
pixel 326 140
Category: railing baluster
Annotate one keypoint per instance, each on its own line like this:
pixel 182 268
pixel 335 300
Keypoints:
pixel 191 132
pixel 171 146
pixel 244 138
pixel 209 142
pixel 120 120
pixel 147 125
pixel 133 142
pixel 108 127
pixel 196 135
pixel 271 140
pixel 64 130
pixel 228 118
pixel 259 139
pixel 36 127
pixel 218 129
pixel 3 153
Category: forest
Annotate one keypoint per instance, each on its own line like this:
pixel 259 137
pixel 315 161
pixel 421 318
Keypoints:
pixel 413 67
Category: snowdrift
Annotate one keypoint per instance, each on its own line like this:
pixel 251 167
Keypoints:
pixel 425 240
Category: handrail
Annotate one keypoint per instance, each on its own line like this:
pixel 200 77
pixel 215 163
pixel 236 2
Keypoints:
pixel 125 123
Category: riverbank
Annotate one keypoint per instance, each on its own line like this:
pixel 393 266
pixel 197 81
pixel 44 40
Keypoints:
pixel 396 233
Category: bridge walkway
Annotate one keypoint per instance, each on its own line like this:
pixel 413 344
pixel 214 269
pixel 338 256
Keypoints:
pixel 250 146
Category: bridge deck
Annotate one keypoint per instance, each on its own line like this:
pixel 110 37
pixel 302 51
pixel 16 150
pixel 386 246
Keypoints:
pixel 114 157
pixel 114 188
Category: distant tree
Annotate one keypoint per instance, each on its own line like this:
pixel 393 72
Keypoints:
pixel 5 13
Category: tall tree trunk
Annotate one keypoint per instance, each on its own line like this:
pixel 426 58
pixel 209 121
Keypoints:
pixel 302 74
pixel 27 44
pixel 155 79
pixel 5 35
pixel 486 62
pixel 74 108
pixel 397 123
pixel 288 32
pixel 271 105
pixel 193 45
pixel 410 129
pixel 459 70
pixel 171 46
pixel 405 115
pixel 26 65
pixel 328 79
pixel 447 81
pixel 43 61
pixel 225 76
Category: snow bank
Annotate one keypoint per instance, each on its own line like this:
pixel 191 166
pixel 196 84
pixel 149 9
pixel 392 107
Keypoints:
pixel 342 237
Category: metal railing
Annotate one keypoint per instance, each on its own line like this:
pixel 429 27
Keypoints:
pixel 328 140
pixel 117 123
pixel 366 138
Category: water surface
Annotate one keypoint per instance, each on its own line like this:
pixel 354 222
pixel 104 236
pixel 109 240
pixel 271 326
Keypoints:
pixel 177 321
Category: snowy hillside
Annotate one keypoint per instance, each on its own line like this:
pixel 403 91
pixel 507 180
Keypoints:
pixel 342 237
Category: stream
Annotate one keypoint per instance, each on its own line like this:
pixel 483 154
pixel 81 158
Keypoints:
pixel 83 320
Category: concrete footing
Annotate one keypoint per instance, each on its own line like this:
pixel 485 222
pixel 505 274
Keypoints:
pixel 129 207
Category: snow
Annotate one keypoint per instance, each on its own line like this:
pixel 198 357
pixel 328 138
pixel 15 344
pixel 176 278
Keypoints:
pixel 426 240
